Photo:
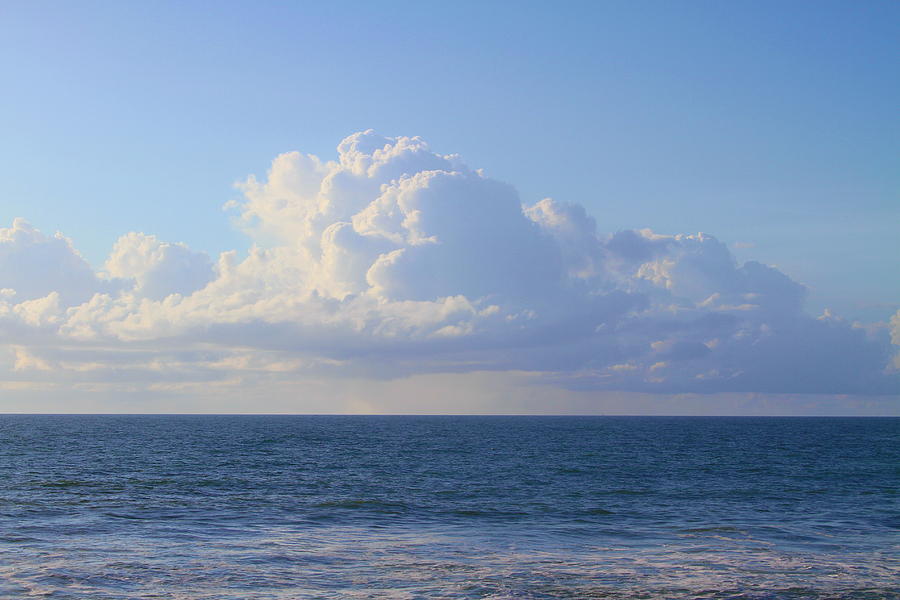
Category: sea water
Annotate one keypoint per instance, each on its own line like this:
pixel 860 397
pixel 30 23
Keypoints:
pixel 278 507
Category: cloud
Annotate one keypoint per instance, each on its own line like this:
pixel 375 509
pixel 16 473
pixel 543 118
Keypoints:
pixel 33 265
pixel 158 269
pixel 395 261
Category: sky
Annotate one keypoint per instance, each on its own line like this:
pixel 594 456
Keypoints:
pixel 577 208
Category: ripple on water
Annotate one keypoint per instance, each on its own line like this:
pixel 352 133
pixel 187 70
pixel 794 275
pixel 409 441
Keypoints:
pixel 232 508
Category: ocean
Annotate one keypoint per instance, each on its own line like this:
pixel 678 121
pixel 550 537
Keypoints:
pixel 297 507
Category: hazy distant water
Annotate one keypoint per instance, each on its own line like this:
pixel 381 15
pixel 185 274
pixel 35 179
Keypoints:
pixel 448 507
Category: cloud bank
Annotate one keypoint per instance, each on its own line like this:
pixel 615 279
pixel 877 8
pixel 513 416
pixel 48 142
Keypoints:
pixel 394 261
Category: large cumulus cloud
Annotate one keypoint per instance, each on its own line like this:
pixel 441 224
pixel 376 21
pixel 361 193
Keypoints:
pixel 394 260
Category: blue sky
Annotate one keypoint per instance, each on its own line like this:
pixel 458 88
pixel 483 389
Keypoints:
pixel 770 125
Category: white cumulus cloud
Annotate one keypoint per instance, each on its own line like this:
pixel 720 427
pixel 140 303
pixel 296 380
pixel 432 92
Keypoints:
pixel 158 268
pixel 393 260
pixel 33 265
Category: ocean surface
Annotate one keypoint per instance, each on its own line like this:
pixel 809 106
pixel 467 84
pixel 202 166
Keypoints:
pixel 279 507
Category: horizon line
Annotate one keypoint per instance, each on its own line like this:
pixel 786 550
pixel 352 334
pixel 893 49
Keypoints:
pixel 580 415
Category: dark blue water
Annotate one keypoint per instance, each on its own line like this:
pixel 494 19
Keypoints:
pixel 230 507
